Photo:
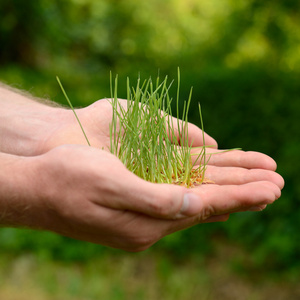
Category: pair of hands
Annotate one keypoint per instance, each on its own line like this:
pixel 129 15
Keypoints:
pixel 86 193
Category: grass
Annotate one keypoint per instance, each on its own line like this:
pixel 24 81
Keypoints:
pixel 146 137
pixel 140 276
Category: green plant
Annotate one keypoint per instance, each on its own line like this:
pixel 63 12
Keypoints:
pixel 149 141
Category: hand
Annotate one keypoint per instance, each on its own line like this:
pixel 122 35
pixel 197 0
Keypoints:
pixel 95 120
pixel 88 194
pixel 29 128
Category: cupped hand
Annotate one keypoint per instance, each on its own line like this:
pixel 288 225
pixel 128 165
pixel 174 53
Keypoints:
pixel 93 197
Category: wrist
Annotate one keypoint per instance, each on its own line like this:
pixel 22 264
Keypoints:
pixel 25 124
pixel 19 205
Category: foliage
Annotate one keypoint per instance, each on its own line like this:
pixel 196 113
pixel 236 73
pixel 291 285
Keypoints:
pixel 241 57
pixel 135 277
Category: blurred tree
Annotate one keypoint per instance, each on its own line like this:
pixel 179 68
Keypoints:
pixel 20 21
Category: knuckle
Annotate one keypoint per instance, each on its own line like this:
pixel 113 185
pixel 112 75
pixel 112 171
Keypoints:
pixel 168 203
pixel 206 213
pixel 165 207
pixel 142 243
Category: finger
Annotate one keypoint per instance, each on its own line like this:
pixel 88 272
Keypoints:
pixel 215 205
pixel 218 200
pixel 137 195
pixel 237 158
pixel 238 176
pixel 195 135
pixel 169 202
pixel 258 208
pixel 219 218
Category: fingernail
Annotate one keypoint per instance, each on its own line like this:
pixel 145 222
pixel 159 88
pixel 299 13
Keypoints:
pixel 255 208
pixel 189 202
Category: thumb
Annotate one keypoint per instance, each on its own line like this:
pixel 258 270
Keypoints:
pixel 165 201
pixel 196 137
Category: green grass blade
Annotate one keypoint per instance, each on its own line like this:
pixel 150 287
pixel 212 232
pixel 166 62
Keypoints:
pixel 70 104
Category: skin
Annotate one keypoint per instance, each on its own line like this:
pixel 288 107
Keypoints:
pixel 50 180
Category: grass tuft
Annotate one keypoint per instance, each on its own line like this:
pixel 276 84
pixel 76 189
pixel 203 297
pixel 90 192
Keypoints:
pixel 146 137
pixel 148 140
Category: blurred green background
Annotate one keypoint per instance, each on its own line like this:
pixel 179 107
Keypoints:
pixel 243 60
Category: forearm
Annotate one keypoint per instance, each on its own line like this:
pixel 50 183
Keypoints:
pixel 17 189
pixel 25 123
